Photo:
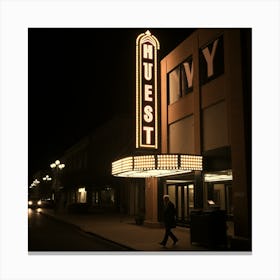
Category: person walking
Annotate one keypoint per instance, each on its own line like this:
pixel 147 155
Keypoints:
pixel 169 221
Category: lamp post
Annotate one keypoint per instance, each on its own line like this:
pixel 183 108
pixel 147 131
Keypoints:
pixel 57 164
pixel 56 167
pixel 34 188
pixel 35 183
pixel 47 178
pixel 47 191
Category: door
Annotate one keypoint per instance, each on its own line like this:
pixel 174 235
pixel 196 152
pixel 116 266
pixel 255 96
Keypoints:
pixel 221 194
pixel 229 204
pixel 182 195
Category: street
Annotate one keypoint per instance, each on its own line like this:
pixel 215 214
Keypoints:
pixel 47 234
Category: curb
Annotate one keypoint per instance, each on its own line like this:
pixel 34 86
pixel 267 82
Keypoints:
pixel 88 232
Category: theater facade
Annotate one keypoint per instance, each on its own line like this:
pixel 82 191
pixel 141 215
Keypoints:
pixel 193 126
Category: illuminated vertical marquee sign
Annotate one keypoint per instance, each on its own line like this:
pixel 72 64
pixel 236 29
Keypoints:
pixel 147 46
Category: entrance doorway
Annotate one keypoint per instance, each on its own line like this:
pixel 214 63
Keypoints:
pixel 220 193
pixel 218 189
pixel 182 195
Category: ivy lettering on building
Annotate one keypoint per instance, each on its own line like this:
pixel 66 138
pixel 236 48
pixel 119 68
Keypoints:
pixel 211 61
pixel 211 65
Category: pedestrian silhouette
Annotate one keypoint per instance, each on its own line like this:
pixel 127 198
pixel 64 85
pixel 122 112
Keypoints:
pixel 169 218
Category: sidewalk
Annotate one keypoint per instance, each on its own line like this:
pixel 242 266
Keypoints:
pixel 124 231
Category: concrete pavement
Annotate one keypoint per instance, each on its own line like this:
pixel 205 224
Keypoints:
pixel 124 231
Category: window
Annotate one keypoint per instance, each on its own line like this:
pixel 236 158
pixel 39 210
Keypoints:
pixel 82 195
pixel 214 124
pixel 108 197
pixel 181 80
pixel 95 198
pixel 174 85
pixel 211 61
pixel 181 136
pixel 187 71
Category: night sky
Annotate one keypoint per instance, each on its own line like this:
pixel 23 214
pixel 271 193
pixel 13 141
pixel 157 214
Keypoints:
pixel 77 80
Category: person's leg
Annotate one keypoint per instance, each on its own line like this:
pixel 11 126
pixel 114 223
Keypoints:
pixel 173 237
pixel 164 241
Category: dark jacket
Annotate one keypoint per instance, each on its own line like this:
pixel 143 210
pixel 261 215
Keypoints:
pixel 169 215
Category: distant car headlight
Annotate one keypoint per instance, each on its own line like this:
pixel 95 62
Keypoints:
pixel 30 202
pixel 39 202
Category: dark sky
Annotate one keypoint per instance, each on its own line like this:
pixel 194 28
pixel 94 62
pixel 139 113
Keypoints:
pixel 78 79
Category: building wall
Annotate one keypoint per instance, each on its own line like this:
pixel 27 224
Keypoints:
pixel 208 116
pixel 88 167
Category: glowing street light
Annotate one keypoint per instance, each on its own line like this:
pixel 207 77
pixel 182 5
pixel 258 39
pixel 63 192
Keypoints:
pixel 47 178
pixel 35 183
pixel 57 164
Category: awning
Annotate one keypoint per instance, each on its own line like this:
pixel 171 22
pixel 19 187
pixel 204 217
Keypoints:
pixel 156 165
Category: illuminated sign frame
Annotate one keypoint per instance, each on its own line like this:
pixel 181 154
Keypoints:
pixel 156 165
pixel 146 91
pixel 151 165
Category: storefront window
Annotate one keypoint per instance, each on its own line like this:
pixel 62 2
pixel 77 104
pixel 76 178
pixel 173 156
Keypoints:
pixel 108 197
pixel 82 195
pixel 183 198
pixel 95 198
pixel 191 196
pixel 219 195
pixel 73 197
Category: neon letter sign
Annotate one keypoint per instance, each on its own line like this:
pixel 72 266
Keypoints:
pixel 146 91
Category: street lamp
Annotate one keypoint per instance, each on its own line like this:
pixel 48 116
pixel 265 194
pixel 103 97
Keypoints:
pixel 47 178
pixel 56 167
pixel 34 183
pixel 35 191
pixel 47 191
pixel 57 164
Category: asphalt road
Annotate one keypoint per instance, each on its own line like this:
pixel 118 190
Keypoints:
pixel 47 234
